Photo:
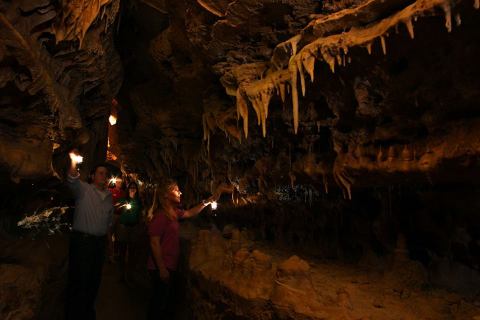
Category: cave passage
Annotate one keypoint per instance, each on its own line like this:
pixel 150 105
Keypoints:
pixel 240 159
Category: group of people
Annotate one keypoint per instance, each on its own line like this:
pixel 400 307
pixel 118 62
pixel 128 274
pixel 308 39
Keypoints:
pixel 99 214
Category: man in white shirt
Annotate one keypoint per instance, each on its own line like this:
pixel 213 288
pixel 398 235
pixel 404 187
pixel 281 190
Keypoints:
pixel 91 222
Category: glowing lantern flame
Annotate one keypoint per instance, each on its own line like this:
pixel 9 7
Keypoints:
pixel 112 119
pixel 77 158
pixel 214 205
pixel 113 180
pixel 128 206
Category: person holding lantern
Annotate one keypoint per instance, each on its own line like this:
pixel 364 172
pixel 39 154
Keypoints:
pixel 163 231
pixel 92 220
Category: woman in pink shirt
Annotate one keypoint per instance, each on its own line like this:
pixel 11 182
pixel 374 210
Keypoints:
pixel 163 230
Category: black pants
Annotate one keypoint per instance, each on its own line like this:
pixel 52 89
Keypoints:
pixel 86 257
pixel 162 303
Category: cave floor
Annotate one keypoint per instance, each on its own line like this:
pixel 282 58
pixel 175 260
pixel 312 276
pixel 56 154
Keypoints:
pixel 117 300
pixel 393 288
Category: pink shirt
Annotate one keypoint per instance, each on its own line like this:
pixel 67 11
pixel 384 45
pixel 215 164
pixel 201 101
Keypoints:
pixel 168 231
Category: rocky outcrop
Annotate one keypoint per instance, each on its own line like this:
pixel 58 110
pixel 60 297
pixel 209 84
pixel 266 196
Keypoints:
pixel 33 278
pixel 228 281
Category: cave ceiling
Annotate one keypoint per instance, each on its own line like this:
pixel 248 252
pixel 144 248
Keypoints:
pixel 253 94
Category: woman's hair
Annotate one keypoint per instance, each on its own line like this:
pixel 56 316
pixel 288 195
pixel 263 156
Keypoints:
pixel 159 197
pixel 133 184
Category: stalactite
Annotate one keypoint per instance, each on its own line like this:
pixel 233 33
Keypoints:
pixel 205 127
pixel 379 155
pixel 325 183
pixel 294 43
pixel 242 111
pixel 265 97
pixel 476 4
pixel 292 179
pixel 281 87
pixel 458 20
pixel 329 49
pixel 210 9
pixel 302 75
pixel 384 45
pixel 391 154
pixel 208 145
pixel 339 59
pixel 309 64
pixel 293 76
pixel 256 107
pixel 448 16
pixel 328 58
pixel 369 48
pixel 344 182
pixel 290 156
pixel 409 25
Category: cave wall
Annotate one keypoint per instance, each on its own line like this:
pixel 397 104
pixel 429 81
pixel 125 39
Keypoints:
pixel 369 108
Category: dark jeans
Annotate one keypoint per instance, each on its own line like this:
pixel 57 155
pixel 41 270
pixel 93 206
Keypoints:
pixel 162 304
pixel 86 257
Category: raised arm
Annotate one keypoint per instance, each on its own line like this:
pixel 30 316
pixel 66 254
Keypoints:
pixel 192 212
pixel 222 188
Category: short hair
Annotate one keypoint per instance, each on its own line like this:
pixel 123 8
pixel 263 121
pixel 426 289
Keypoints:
pixel 94 170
